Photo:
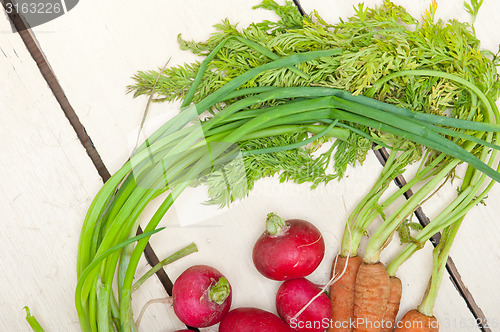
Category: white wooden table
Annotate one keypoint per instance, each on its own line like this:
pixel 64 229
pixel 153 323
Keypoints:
pixel 48 180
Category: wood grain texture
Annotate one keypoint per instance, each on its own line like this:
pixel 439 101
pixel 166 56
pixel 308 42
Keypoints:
pixel 51 180
pixel 95 62
pixel 47 185
pixel 48 182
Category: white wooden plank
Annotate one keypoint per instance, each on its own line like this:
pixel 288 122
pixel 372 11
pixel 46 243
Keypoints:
pixel 225 241
pixel 47 184
pixel 94 63
pixel 477 251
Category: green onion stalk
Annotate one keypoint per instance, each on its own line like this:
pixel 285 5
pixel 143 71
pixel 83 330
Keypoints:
pixel 474 189
pixel 113 215
pixel 270 96
pixel 188 147
pixel 430 176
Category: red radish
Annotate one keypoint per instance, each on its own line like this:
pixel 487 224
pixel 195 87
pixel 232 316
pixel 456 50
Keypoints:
pixel 251 320
pixel 293 295
pixel 201 296
pixel 288 249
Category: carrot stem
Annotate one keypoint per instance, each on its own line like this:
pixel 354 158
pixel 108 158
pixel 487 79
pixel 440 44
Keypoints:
pixel 440 254
pixel 356 224
pixel 377 242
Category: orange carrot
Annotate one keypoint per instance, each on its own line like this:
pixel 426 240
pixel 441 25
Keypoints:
pixel 342 294
pixel 414 321
pixel 371 295
pixel 392 304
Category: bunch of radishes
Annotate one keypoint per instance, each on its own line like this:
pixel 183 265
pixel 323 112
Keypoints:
pixel 287 251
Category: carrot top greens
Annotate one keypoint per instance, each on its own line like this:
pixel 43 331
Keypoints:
pixel 375 43
pixel 274 92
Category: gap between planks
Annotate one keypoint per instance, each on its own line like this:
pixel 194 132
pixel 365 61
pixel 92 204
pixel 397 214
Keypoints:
pixel 33 47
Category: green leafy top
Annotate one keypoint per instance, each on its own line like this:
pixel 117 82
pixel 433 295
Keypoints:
pixel 375 41
pixel 473 8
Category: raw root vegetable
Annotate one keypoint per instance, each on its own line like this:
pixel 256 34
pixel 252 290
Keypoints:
pixel 414 321
pixel 371 295
pixel 271 107
pixel 363 286
pixel 251 320
pixel 298 303
pixel 201 296
pixel 393 303
pixel 342 293
pixel 288 249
